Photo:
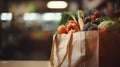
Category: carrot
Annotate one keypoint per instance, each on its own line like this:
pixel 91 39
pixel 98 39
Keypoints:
pixel 80 20
pixel 81 23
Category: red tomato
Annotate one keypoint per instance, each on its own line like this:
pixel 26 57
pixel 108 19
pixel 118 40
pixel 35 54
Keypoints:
pixel 96 13
pixel 93 17
pixel 72 22
pixel 72 31
pixel 103 30
pixel 72 27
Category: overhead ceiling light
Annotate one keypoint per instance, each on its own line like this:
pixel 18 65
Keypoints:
pixel 30 16
pixel 6 16
pixel 57 4
pixel 51 16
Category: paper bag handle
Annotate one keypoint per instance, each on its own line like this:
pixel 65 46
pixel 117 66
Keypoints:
pixel 55 43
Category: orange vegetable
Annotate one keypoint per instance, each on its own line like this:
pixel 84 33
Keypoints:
pixel 61 29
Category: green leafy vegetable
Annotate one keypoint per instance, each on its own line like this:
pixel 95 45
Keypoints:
pixel 71 15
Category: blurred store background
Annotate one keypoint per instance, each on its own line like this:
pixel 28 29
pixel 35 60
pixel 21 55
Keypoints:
pixel 27 26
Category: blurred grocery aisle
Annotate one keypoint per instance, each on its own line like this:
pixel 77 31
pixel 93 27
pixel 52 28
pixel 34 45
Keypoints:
pixel 27 26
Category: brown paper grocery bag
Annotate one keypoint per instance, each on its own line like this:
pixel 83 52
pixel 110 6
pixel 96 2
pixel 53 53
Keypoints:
pixel 92 48
pixel 75 49
pixel 109 49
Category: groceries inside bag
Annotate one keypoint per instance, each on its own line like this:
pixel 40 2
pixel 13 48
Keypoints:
pixel 89 41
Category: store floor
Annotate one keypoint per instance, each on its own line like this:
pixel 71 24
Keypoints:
pixel 24 63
